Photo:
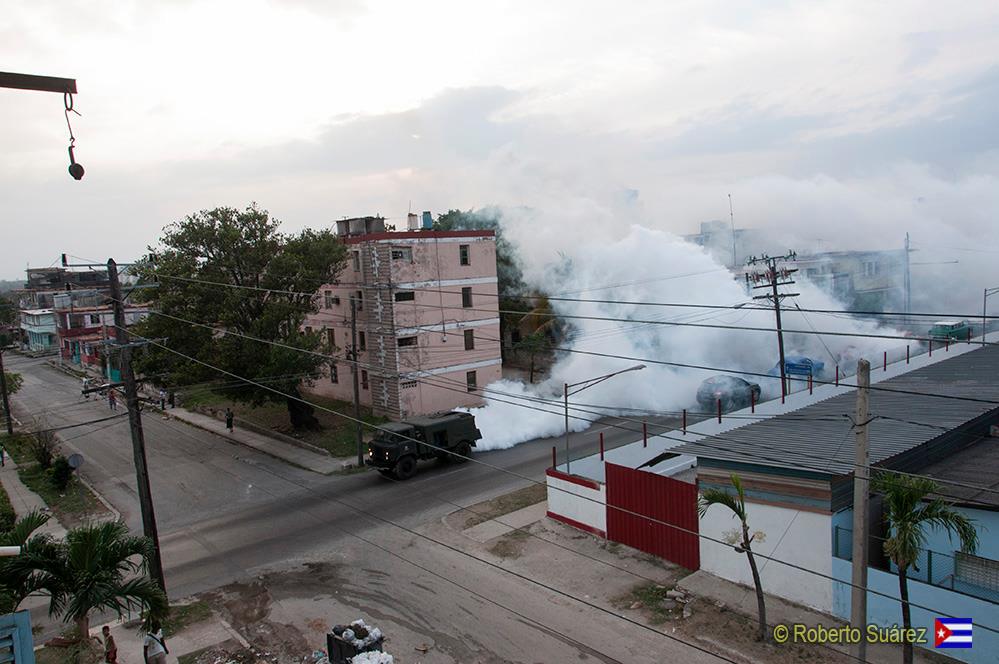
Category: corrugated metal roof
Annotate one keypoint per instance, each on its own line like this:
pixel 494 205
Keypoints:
pixel 819 436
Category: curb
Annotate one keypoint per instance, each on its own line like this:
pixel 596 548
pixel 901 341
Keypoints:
pixel 236 441
pixel 102 499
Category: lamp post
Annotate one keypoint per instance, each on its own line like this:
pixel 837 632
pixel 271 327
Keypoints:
pixel 985 301
pixel 582 385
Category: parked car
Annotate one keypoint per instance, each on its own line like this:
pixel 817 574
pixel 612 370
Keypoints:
pixel 734 392
pixel 955 330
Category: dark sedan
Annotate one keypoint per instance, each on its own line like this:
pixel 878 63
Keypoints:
pixel 735 393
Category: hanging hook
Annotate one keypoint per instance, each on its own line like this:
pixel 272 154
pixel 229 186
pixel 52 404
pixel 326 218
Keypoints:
pixel 75 169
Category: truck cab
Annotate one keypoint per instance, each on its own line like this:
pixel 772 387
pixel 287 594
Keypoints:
pixel 398 446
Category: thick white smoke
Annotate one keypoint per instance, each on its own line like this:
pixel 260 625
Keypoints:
pixel 645 265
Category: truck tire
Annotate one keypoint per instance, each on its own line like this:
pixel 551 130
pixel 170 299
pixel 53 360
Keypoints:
pixel 405 467
pixel 462 451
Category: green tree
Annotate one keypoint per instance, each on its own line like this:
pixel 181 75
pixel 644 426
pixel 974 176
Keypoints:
pixel 532 345
pixel 17 583
pixel 241 248
pixel 741 539
pixel 908 507
pixel 98 567
pixel 14 382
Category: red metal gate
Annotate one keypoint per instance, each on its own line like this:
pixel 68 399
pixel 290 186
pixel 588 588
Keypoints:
pixel 635 498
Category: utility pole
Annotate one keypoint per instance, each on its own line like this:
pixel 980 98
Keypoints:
pixel 135 424
pixel 861 500
pixel 355 371
pixel 907 281
pixel 731 216
pixel 772 278
pixel 6 401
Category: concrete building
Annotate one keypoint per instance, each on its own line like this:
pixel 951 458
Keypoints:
pixel 82 325
pixel 38 331
pixel 862 280
pixel 427 317
pixel 795 462
pixel 731 247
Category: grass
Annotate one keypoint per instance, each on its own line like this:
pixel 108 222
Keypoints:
pixel 650 596
pixel 505 504
pixel 7 516
pixel 185 615
pixel 58 655
pixel 74 506
pixel 338 435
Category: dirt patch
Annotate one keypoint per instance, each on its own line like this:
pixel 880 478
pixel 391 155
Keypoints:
pixel 228 652
pixel 497 507
pixel 510 545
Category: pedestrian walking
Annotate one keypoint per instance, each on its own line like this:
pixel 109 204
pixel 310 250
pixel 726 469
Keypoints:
pixel 228 420
pixel 112 400
pixel 110 647
pixel 154 647
pixel 162 399
pixel 86 386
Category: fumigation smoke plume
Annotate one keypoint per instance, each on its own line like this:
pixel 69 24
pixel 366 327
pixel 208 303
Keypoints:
pixel 645 265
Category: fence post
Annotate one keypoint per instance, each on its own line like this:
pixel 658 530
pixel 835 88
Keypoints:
pixel 752 401
pixel 907 353
pixel 931 346
pixel 947 344
pixel 684 421
pixel 645 434
pixel 809 383
pixel 719 411
pixel 837 375
pixel 554 462
pixel 885 365
pixel 601 445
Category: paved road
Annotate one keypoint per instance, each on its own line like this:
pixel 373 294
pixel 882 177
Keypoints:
pixel 227 512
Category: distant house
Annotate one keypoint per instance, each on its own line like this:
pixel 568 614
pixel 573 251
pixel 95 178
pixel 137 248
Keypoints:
pixel 428 335
pixel 38 331
pixel 82 325
pixel 863 280
pixel 717 239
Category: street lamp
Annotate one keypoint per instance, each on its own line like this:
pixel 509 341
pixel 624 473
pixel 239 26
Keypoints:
pixel 582 385
pixel 985 300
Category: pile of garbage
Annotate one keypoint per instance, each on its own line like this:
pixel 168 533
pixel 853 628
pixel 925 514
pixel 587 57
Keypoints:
pixel 358 634
pixel 373 657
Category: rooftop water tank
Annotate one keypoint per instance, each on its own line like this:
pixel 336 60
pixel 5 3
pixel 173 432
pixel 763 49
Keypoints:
pixel 428 220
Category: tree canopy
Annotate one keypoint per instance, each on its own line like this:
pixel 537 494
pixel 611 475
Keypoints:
pixel 233 272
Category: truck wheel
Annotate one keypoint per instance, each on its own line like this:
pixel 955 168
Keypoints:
pixel 462 452
pixel 405 467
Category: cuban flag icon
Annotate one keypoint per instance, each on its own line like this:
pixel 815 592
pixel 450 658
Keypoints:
pixel 952 633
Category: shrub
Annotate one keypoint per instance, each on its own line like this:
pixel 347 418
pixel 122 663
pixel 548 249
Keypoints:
pixel 61 472
pixel 43 445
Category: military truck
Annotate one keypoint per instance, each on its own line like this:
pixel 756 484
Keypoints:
pixel 398 446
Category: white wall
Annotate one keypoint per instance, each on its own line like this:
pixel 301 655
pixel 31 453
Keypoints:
pixel 579 503
pixel 799 537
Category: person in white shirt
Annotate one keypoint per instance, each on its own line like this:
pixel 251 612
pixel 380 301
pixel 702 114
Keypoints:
pixel 153 647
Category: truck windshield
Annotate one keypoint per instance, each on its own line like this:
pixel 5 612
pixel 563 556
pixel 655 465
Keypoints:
pixel 390 437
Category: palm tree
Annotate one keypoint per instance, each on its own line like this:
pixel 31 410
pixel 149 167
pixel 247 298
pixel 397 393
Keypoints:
pixel 16 584
pixel 907 508
pixel 737 503
pixel 98 567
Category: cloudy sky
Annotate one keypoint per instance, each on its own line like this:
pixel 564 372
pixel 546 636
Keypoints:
pixel 841 124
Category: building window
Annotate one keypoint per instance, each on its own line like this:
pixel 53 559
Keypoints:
pixel 466 296
pixel 463 254
pixel 469 339
pixel 308 329
pixel 328 299
pixel 470 383
pixel 95 319
pixel 403 254
pixel 405 296
pixel 334 374
pixel 331 338
pixel 407 341
pixel 357 260
pixel 407 384
pixel 871 269
pixel 362 341
pixel 359 298
pixel 364 379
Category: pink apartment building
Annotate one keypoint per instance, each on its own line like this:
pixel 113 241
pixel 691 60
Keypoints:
pixel 427 317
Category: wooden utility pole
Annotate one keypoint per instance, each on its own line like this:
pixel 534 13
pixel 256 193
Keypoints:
pixel 355 372
pixel 771 278
pixel 6 401
pixel 861 501
pixel 135 424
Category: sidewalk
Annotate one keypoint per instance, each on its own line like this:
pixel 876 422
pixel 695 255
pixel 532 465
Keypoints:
pixel 24 500
pixel 192 638
pixel 743 600
pixel 298 456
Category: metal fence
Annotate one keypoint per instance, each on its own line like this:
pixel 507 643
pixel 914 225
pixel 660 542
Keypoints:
pixel 962 572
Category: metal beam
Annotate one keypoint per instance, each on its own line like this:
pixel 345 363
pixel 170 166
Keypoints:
pixel 40 83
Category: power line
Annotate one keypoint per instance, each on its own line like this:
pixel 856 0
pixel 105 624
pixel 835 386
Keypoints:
pixel 510 472
pixel 456 389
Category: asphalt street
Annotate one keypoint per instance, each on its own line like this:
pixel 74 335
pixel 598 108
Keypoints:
pixel 227 513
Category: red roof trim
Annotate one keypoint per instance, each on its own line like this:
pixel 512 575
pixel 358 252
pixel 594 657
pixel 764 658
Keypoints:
pixel 414 235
